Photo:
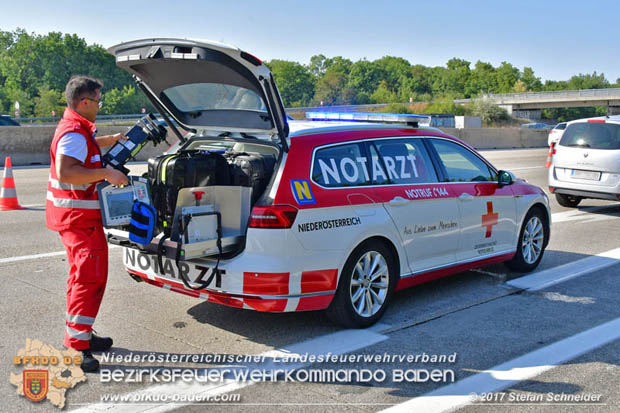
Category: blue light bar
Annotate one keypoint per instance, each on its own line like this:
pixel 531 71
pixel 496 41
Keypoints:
pixel 370 117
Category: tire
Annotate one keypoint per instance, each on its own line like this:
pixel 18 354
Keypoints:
pixel 532 242
pixel 350 307
pixel 568 201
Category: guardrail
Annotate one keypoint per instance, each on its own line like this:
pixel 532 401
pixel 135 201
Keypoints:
pixel 508 98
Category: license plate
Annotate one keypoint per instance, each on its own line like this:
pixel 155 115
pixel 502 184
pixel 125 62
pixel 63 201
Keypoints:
pixel 591 175
pixel 149 265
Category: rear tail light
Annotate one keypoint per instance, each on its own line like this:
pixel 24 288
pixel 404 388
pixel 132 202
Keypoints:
pixel 618 196
pixel 551 189
pixel 273 216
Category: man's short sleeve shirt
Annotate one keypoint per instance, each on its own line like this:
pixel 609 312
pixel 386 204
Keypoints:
pixel 73 144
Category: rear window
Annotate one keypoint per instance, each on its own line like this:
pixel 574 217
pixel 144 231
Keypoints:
pixel 592 135
pixel 561 126
pixel 198 97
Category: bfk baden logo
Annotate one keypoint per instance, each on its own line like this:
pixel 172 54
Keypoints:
pixel 48 373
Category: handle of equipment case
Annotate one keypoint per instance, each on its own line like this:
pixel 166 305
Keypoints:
pixel 182 225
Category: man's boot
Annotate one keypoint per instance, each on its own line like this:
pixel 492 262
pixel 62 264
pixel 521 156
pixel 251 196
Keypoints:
pixel 89 363
pixel 100 343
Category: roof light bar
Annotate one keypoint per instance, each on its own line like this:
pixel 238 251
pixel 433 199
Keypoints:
pixel 413 120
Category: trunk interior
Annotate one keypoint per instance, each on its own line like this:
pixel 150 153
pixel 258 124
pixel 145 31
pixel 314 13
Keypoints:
pixel 203 193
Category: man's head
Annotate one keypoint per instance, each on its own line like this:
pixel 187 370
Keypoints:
pixel 83 95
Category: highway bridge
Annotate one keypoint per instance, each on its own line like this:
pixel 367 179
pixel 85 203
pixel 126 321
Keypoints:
pixel 529 104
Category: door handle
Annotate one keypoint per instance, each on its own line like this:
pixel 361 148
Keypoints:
pixel 466 197
pixel 398 201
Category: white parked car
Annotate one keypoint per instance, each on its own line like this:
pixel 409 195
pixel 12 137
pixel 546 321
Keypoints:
pixel 556 133
pixel 586 161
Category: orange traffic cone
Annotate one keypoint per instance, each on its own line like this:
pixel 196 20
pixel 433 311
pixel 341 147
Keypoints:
pixel 550 155
pixel 8 195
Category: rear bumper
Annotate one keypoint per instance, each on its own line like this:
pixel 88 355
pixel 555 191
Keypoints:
pixel 585 194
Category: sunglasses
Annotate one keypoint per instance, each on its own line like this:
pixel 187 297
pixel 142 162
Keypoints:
pixel 99 102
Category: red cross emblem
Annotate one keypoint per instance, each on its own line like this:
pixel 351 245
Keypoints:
pixel 489 219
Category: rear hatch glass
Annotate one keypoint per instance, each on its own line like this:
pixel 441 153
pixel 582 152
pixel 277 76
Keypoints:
pixel 592 135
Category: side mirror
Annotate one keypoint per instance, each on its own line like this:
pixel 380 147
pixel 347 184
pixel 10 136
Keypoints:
pixel 505 178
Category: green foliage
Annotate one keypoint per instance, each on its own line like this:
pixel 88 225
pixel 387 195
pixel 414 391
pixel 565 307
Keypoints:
pixel 125 100
pixel 486 109
pixel 445 105
pixel 294 81
pixel 567 114
pixel 34 70
pixel 49 102
pixel 396 108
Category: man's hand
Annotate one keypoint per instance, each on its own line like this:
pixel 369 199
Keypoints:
pixel 110 139
pixel 115 177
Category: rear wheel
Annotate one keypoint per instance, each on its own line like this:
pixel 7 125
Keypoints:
pixel 531 244
pixel 568 201
pixel 365 287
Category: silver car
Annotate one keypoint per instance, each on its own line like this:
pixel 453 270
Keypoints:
pixel 586 161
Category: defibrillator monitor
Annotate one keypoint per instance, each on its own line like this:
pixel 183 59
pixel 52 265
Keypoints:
pixel 117 202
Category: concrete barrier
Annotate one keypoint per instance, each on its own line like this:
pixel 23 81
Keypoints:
pixel 501 138
pixel 29 145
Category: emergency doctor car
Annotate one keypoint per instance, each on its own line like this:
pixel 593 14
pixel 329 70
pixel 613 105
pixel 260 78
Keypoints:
pixel 337 212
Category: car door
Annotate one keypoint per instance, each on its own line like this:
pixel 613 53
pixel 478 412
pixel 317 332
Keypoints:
pixel 424 210
pixel 487 212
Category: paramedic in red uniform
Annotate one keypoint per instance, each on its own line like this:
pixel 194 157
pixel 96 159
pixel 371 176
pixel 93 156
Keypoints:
pixel 72 209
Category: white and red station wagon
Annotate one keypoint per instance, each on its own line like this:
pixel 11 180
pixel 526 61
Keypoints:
pixel 352 212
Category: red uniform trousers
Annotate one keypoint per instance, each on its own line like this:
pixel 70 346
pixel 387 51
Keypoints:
pixel 87 252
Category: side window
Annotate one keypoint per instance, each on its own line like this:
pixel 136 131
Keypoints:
pixel 341 166
pixel 406 161
pixel 461 164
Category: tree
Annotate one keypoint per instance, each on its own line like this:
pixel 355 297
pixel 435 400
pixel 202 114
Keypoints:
pixel 588 81
pixel 487 110
pixel 507 76
pixel 294 82
pixel 383 94
pixel 530 81
pixel 49 101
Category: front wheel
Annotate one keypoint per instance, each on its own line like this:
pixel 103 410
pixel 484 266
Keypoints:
pixel 365 287
pixel 532 242
pixel 568 201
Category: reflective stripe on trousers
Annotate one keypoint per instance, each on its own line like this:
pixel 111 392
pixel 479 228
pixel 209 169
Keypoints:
pixel 80 319
pixel 79 335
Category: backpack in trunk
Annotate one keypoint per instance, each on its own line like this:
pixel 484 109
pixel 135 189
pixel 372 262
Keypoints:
pixel 169 173
pixel 252 170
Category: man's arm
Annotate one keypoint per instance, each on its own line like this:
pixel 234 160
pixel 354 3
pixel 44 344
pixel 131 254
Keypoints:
pixel 108 140
pixel 71 171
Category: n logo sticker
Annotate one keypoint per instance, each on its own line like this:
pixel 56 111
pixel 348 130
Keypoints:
pixel 302 192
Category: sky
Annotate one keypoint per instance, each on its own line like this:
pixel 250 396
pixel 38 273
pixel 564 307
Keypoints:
pixel 557 39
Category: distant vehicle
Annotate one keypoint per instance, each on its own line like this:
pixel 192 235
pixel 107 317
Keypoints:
pixel 585 161
pixel 556 133
pixel 536 126
pixel 7 121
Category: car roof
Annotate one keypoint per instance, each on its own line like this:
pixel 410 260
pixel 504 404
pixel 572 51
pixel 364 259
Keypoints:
pixel 612 119
pixel 309 127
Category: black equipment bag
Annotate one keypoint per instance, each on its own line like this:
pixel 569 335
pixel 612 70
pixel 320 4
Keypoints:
pixel 185 169
pixel 252 170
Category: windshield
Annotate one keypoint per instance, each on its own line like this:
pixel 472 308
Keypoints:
pixel 196 97
pixel 593 135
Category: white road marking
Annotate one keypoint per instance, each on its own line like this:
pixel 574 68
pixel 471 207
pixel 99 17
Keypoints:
pixel 454 396
pixel 546 278
pixel 341 342
pixel 583 214
pixel 37 256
